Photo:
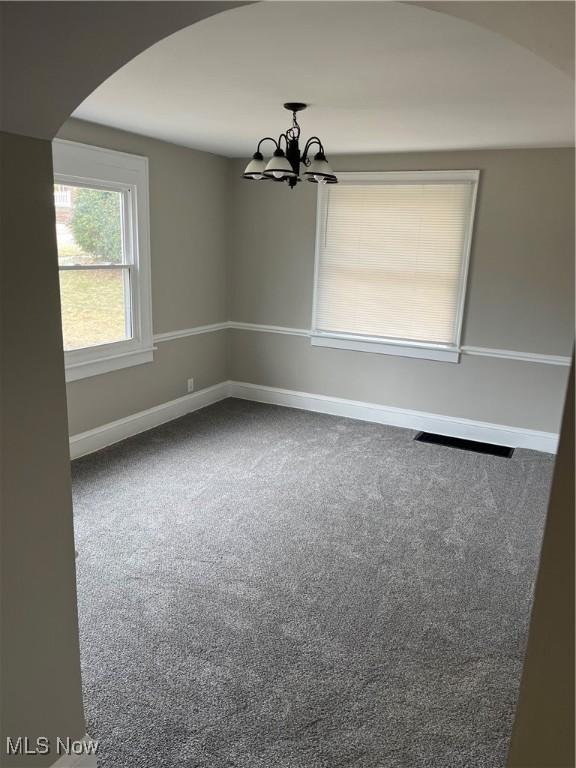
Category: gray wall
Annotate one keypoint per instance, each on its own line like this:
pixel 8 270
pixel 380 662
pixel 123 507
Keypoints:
pixel 543 733
pixel 40 663
pixel 189 194
pixel 224 248
pixel 520 292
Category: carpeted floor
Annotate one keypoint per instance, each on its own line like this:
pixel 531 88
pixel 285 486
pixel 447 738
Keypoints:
pixel 263 587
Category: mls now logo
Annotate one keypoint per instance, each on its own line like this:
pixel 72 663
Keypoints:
pixel 23 745
pixel 70 746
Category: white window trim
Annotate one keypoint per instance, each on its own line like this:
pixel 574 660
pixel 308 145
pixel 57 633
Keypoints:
pixel 85 165
pixel 384 345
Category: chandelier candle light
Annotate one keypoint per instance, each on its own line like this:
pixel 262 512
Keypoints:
pixel 284 165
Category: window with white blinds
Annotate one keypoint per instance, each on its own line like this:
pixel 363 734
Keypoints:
pixel 391 262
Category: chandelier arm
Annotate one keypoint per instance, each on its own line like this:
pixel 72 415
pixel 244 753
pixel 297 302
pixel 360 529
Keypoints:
pixel 285 137
pixel 267 138
pixel 311 141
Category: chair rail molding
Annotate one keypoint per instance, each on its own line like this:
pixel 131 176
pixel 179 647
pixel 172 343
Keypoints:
pixel 509 354
pixel 196 331
pixel 503 354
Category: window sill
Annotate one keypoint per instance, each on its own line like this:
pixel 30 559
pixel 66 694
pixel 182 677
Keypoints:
pixel 105 364
pixel 400 349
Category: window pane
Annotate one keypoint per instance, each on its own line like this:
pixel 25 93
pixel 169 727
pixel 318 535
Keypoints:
pixel 88 225
pixel 95 306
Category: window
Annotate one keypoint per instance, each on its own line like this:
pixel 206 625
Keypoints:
pixel 101 201
pixel 391 262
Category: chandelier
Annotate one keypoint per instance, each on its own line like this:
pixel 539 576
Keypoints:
pixel 284 165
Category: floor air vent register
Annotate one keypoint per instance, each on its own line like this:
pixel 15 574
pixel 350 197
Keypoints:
pixel 465 445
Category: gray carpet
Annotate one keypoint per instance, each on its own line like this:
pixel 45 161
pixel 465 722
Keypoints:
pixel 265 587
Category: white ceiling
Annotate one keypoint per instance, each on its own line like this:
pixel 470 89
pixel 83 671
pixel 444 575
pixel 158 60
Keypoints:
pixel 379 77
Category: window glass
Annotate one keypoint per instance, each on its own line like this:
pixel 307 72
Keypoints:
pixel 94 275
pixel 95 307
pixel 89 225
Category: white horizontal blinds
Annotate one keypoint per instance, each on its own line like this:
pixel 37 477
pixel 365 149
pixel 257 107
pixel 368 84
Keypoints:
pixel 390 259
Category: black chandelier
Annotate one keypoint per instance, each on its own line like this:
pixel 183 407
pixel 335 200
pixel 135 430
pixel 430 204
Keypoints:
pixel 284 165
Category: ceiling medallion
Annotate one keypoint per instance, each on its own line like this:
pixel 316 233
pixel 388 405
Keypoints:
pixel 284 165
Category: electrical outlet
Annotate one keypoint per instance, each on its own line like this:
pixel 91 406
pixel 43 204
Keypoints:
pixel 190 385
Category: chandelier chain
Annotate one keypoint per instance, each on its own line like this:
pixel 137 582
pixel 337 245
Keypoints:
pixel 294 131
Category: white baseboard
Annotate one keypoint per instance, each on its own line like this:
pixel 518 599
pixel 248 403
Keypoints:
pixel 499 434
pixel 77 761
pixel 107 434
